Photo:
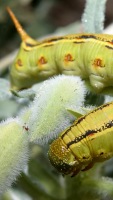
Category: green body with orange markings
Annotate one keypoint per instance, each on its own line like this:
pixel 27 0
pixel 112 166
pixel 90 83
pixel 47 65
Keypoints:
pixel 89 56
pixel 87 141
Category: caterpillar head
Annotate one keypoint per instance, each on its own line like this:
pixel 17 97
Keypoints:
pixel 62 158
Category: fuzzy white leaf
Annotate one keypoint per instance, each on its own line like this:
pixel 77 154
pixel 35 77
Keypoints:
pixel 49 113
pixel 13 152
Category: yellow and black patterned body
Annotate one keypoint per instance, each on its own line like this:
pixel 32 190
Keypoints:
pixel 88 140
pixel 88 55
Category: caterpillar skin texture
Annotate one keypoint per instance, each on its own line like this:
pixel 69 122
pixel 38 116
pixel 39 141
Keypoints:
pixel 87 141
pixel 89 56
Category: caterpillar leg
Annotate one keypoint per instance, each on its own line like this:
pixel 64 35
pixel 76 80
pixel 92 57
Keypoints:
pixel 97 82
pixel 88 167
pixel 74 173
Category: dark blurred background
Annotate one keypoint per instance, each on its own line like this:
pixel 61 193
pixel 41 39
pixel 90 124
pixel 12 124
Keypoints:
pixel 39 18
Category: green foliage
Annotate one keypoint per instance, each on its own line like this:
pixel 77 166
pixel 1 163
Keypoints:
pixel 93 16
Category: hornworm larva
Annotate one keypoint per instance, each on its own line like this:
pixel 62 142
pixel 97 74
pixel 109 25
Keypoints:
pixel 87 141
pixel 89 56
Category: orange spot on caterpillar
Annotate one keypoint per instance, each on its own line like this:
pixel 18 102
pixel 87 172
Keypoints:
pixel 110 43
pixel 19 63
pixel 91 135
pixel 98 62
pixel 42 61
pixel 68 58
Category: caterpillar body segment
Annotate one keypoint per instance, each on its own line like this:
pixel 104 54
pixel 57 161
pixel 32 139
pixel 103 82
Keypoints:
pixel 87 55
pixel 87 141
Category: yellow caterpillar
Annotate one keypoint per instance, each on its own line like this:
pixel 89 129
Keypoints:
pixel 88 140
pixel 89 56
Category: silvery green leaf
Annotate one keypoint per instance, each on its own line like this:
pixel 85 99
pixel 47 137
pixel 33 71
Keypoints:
pixel 5 89
pixel 93 16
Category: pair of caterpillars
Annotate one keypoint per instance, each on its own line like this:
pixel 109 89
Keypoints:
pixel 90 138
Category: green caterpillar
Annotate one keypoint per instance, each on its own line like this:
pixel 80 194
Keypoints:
pixel 87 141
pixel 89 56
